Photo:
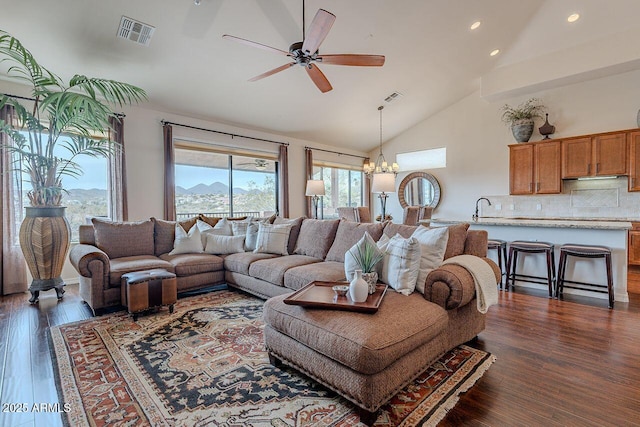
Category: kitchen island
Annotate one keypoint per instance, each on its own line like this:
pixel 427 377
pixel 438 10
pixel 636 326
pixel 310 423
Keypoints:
pixel 611 233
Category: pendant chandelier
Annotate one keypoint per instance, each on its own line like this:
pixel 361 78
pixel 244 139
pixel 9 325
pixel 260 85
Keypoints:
pixel 380 165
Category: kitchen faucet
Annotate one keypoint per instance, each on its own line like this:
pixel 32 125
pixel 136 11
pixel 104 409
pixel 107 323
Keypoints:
pixel 475 215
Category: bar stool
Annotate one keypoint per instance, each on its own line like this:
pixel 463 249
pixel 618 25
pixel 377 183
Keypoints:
pixel 585 251
pixel 501 247
pixel 529 247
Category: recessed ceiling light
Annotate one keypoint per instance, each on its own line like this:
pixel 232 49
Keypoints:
pixel 494 52
pixel 573 17
pixel 475 25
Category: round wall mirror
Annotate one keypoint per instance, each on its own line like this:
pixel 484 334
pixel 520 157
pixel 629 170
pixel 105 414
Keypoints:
pixel 419 189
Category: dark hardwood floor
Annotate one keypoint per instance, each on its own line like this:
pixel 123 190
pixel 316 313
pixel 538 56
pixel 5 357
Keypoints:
pixel 559 363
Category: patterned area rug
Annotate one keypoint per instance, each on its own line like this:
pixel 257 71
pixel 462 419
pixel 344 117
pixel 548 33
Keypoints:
pixel 205 365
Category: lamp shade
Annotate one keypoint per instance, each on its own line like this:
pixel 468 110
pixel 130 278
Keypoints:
pixel 315 187
pixel 383 183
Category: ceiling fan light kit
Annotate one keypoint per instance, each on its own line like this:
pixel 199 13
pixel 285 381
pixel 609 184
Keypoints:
pixel 306 54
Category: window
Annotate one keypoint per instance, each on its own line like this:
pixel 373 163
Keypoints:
pixel 223 184
pixel 87 195
pixel 343 187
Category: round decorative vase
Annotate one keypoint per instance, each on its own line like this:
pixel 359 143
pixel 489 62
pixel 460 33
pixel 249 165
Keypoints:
pixel 372 280
pixel 44 240
pixel 522 129
pixel 358 288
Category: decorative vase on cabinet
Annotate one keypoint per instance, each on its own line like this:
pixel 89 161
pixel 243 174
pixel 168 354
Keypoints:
pixel 358 288
pixel 522 129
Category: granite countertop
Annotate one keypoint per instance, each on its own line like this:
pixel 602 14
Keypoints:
pixel 586 223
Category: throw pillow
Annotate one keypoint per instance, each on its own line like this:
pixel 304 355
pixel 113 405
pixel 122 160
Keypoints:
pixel 316 237
pixel 457 239
pixel 433 244
pixel 350 263
pixel 348 234
pixel 123 239
pixel 187 243
pixel 401 264
pixel 239 228
pixel 273 239
pixel 251 238
pixel 296 223
pixel 220 245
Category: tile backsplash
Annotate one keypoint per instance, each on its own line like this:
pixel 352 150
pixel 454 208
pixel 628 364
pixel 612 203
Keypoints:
pixel 597 198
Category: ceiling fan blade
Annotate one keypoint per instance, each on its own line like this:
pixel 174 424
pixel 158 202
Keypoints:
pixel 353 59
pixel 318 30
pixel 318 78
pixel 271 72
pixel 255 44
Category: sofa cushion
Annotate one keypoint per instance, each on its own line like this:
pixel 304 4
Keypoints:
pixel 391 229
pixel 433 243
pixel 190 264
pixel 457 238
pixel 296 223
pixel 124 239
pixel 224 244
pixel 187 242
pixel 348 234
pixel 240 262
pixel 120 266
pixel 272 270
pixel 164 233
pixel 366 343
pixel 329 271
pixel 273 238
pixel 401 263
pixel 316 237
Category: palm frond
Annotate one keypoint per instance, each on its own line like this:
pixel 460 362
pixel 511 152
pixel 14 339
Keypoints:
pixel 73 114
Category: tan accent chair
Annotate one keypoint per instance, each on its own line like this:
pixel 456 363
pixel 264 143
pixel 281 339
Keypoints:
pixel 416 215
pixel 357 214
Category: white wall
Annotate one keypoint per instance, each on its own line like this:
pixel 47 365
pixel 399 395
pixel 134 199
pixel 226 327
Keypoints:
pixel 476 139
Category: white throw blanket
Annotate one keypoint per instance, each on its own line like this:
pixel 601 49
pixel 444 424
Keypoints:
pixel 483 278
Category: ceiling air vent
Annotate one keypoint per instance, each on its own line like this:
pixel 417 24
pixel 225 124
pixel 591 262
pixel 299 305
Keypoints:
pixel 135 31
pixel 392 97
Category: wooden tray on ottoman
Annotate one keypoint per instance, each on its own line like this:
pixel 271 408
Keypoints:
pixel 321 295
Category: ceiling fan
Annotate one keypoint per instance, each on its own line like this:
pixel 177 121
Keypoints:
pixel 306 54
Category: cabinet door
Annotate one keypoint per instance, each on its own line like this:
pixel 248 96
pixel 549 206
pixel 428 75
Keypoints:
pixel 547 167
pixel 634 245
pixel 610 153
pixel 634 161
pixel 521 169
pixel 576 157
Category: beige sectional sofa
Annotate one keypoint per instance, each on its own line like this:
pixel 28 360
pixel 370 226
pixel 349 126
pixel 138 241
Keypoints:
pixel 317 247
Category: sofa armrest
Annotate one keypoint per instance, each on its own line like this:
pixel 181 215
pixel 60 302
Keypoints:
pixel 451 286
pixel 82 255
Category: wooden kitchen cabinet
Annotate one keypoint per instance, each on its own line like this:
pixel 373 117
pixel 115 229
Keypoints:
pixel 534 168
pixel 595 155
pixel 634 244
pixel 634 161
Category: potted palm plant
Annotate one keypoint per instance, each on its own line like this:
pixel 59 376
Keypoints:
pixel 59 124
pixel 367 258
pixel 521 118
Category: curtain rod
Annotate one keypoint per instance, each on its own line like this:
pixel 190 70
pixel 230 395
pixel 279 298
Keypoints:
pixel 336 152
pixel 33 99
pixel 232 135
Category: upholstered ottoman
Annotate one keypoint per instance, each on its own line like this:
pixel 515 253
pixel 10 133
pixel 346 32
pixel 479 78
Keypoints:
pixel 367 358
pixel 142 290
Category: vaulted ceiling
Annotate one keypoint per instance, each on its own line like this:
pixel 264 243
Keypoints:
pixel 432 56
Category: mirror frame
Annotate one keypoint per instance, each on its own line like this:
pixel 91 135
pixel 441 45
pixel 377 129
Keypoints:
pixel 432 179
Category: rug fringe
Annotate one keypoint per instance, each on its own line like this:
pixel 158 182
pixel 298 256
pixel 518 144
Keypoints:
pixel 439 414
